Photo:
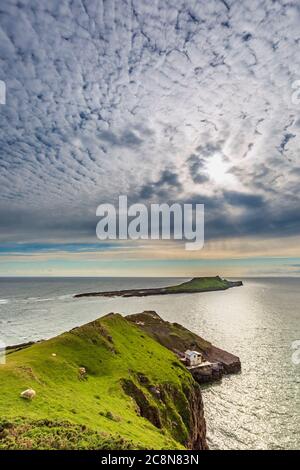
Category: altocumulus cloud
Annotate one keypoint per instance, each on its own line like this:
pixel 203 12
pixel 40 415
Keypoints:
pixel 182 100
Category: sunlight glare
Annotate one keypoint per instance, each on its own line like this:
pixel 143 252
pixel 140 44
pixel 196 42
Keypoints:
pixel 217 170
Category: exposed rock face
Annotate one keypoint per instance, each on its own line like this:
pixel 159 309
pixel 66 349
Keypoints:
pixel 146 410
pixel 204 375
pixel 230 363
pixel 197 437
pixel 188 424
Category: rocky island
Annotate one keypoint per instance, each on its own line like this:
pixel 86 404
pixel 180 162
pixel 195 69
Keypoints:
pixel 195 285
pixel 115 383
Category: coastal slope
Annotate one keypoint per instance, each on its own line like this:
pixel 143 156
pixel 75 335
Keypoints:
pixel 193 286
pixel 104 385
pixel 178 339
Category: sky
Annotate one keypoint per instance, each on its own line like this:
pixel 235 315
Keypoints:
pixel 162 101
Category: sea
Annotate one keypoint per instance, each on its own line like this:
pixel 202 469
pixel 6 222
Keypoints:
pixel 260 322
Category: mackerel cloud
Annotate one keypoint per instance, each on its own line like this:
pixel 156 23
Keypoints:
pixel 138 98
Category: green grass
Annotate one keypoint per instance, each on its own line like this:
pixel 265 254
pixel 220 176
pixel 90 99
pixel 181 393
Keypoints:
pixel 199 284
pixel 95 412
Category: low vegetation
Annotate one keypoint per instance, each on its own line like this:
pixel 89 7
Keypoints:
pixel 133 394
pixel 199 284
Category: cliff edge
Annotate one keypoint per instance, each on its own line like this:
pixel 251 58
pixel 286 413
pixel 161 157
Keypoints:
pixel 104 385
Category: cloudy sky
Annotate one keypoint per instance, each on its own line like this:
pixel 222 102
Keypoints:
pixel 162 101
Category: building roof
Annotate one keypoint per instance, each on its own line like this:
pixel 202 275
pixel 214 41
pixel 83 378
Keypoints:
pixel 188 352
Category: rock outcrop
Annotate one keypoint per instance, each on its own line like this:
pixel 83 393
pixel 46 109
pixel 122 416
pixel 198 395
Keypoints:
pixel 188 425
pixel 197 436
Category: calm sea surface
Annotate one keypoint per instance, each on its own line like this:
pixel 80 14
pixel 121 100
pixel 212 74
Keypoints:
pixel 258 409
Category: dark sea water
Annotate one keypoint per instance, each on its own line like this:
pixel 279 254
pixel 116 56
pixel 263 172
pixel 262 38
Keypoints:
pixel 257 409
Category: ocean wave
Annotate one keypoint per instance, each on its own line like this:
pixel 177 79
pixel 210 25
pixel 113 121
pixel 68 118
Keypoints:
pixel 66 296
pixel 38 299
pixel 32 300
pixel 4 301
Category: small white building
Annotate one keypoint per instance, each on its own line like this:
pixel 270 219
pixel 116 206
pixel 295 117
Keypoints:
pixel 193 358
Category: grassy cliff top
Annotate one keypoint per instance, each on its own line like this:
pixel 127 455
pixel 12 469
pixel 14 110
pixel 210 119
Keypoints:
pixel 198 284
pixel 134 393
